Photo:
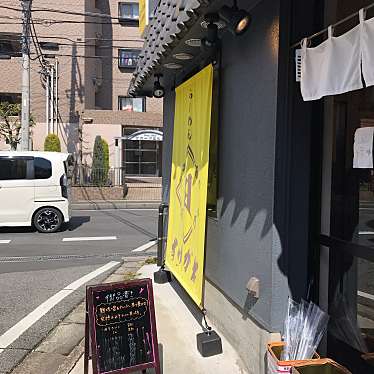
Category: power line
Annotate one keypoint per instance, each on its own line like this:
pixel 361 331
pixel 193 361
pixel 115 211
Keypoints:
pixel 81 45
pixel 84 14
pixel 47 55
pixel 69 12
pixel 35 41
pixel 52 54
pixel 47 22
pixel 77 42
pixel 99 39
pixel 50 22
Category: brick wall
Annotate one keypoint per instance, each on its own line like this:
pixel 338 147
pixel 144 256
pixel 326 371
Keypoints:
pixel 136 192
pixel 96 193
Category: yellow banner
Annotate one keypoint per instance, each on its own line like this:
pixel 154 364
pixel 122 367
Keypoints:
pixel 142 15
pixel 189 182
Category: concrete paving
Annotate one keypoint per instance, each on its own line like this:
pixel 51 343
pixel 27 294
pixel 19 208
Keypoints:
pixel 177 328
pixel 131 228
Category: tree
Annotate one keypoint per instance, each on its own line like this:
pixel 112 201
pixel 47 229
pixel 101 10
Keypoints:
pixel 52 143
pixel 99 171
pixel 10 123
pixel 106 155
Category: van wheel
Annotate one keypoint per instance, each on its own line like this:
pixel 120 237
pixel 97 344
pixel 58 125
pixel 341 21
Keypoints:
pixel 47 220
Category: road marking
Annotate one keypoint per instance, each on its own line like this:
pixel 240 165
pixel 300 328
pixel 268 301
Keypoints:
pixel 114 209
pixel 5 241
pixel 20 327
pixel 89 238
pixel 365 295
pixel 366 232
pixel 144 247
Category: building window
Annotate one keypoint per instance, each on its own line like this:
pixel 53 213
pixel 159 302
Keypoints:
pixel 11 98
pixel 131 104
pixel 128 13
pixel 10 45
pixel 128 58
pixel 141 157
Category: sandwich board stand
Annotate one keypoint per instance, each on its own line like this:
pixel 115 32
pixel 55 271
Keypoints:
pixel 121 335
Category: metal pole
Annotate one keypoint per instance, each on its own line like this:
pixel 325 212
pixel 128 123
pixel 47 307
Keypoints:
pixel 160 236
pixel 25 121
pixel 47 88
pixel 56 97
pixel 52 100
pixel 80 158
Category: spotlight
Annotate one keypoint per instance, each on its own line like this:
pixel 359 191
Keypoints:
pixel 211 21
pixel 237 20
pixel 158 90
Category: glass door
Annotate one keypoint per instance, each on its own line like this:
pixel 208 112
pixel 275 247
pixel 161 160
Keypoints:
pixel 350 238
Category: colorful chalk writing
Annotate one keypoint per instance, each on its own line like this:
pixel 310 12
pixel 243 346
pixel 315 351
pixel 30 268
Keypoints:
pixel 123 331
pixel 121 311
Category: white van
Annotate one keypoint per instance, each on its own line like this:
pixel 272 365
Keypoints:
pixel 34 189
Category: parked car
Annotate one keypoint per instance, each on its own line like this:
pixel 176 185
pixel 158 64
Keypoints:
pixel 34 189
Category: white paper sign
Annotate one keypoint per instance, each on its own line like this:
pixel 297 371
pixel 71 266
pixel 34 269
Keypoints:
pixel 363 148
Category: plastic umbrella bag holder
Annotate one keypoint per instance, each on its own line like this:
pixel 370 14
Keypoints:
pixel 304 327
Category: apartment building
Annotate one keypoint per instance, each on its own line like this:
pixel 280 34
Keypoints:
pixel 82 90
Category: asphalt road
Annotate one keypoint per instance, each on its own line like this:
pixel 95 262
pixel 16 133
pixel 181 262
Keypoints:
pixel 34 267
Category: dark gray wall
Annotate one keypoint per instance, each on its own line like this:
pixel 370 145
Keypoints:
pixel 168 130
pixel 243 242
pixel 262 229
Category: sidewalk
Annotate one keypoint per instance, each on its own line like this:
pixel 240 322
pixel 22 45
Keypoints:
pixel 63 346
pixel 177 318
pixel 177 329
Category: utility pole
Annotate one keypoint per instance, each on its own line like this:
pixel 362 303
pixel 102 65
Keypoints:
pixel 25 122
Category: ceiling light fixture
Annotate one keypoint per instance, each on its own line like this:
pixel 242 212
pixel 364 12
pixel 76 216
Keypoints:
pixel 173 65
pixel 193 42
pixel 183 56
pixel 213 18
pixel 237 20
pixel 158 90
pixel 211 38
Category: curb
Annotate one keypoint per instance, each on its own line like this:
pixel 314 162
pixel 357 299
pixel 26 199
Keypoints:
pixel 50 354
pixel 115 204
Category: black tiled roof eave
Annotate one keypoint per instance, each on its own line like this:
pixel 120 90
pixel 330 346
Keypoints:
pixel 172 21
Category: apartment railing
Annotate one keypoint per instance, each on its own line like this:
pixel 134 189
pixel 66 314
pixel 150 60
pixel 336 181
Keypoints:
pixel 88 176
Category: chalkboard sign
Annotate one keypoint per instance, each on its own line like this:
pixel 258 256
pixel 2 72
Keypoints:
pixel 122 326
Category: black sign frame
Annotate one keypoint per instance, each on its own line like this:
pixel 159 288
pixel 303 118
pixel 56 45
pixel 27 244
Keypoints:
pixel 91 344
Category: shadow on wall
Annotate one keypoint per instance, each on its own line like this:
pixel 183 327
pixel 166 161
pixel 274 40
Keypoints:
pixel 254 247
pixel 68 131
pixel 254 239
pixel 104 97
